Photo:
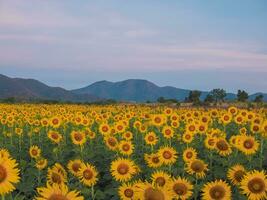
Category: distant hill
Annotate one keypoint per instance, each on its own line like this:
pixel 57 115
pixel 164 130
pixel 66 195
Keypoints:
pixel 30 89
pixel 137 90
pixel 134 90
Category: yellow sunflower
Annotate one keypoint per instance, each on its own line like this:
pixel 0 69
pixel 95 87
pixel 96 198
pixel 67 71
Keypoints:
pixel 248 145
pixel 254 185
pixel 126 191
pixel 35 151
pixel 181 188
pixel 168 155
pixel 123 169
pixel 160 178
pixel 151 138
pixel 56 192
pixel 55 136
pixel 74 166
pixel 197 167
pixel 9 175
pixel 189 154
pixel 236 173
pixel 88 174
pixel 223 147
pixel 41 163
pixel 167 132
pixel 216 190
pixel 146 191
pixel 126 148
pixel 153 160
pixel 111 142
pixel 78 138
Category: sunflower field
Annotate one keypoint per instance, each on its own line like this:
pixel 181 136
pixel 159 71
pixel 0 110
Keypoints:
pixel 132 152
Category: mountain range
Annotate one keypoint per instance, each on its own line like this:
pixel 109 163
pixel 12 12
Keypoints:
pixel 134 90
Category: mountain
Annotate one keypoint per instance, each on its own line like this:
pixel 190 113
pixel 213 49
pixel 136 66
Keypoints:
pixel 30 89
pixel 137 90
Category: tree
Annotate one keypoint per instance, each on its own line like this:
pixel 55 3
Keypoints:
pixel 194 97
pixel 258 98
pixel 161 100
pixel 209 99
pixel 218 94
pixel 242 95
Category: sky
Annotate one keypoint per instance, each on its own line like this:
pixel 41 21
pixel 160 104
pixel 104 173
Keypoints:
pixel 189 44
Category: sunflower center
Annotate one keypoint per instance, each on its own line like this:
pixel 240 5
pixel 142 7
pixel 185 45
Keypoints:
pixel 3 173
pixel 222 145
pixel 54 136
pixel 123 169
pixel 57 197
pixel 76 167
pixel 34 152
pixel 197 166
pixel 217 192
pixel 160 181
pixel 168 132
pixel 255 128
pixel 78 137
pixel 187 136
pixel 153 194
pixel 88 174
pixel 155 160
pixel 112 142
pixel 189 155
pixel 201 128
pixel 238 175
pixel 157 120
pixel 104 128
pixel 180 188
pixel 150 138
pixel 167 155
pixel 248 144
pixel 126 147
pixel 128 193
pixel 191 128
pixel 55 121
pixel 56 178
pixel 256 185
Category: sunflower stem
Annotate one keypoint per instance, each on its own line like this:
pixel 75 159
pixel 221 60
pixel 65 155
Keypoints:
pixel 93 193
pixel 3 197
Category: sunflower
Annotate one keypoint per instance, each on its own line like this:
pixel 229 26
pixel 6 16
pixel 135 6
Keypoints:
pixel 223 147
pixel 56 192
pixel 88 174
pixel 158 120
pixel 160 178
pixel 210 142
pixel 123 169
pixel 168 155
pixel 41 163
pixel 181 188
pixel 197 167
pixel 35 151
pixel 104 129
pixel 232 110
pixel 74 166
pixel 78 138
pixel 9 175
pixel 167 132
pixel 127 135
pixel 216 190
pixel 146 191
pixel 236 173
pixel 151 138
pixel 248 145
pixel 188 137
pixel 55 122
pixel 4 153
pixel 254 185
pixel 153 160
pixel 126 148
pixel 255 128
pixel 111 142
pixel 55 136
pixel 126 191
pixel 56 175
pixel 189 154
pixel 226 118
pixel 120 127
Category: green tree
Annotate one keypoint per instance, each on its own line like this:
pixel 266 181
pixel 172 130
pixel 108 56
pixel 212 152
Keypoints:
pixel 194 96
pixel 209 99
pixel 242 95
pixel 258 98
pixel 218 94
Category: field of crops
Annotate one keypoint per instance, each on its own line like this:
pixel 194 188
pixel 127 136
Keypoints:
pixel 132 152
